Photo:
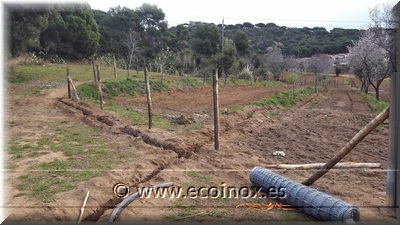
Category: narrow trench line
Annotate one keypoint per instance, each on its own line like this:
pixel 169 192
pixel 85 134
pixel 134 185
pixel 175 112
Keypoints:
pixel 130 130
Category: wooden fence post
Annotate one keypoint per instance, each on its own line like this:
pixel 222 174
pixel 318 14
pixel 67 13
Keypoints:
pixel 99 85
pixel 68 84
pixel 216 110
pixel 294 83
pixel 94 71
pixel 115 68
pixel 316 83
pixel 73 86
pixel 148 95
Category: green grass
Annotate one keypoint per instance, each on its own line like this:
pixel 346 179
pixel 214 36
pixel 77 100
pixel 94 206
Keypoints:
pixel 87 157
pixel 346 81
pixel 78 72
pixel 25 73
pixel 286 98
pixel 138 119
pixel 17 149
pixel 377 106
pixel 292 77
pixel 135 86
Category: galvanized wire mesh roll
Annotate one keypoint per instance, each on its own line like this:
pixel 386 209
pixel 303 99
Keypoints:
pixel 309 200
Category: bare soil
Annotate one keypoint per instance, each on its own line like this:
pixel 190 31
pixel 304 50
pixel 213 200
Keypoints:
pixel 312 131
pixel 198 100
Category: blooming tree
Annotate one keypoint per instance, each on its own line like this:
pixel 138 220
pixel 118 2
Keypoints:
pixel 369 62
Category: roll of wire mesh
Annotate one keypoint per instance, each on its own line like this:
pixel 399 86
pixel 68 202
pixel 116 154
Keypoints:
pixel 308 200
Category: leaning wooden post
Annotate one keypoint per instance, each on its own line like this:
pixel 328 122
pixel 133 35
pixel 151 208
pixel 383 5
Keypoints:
pixel 68 84
pixel 94 71
pixel 115 68
pixel 216 110
pixel 148 95
pixel 99 85
pixel 349 146
pixel 73 86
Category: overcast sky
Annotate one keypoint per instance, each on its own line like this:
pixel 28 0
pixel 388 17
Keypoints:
pixel 290 13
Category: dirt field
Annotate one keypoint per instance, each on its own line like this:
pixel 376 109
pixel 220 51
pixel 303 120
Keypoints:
pixel 312 131
pixel 198 100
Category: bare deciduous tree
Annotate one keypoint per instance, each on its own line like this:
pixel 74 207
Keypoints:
pixel 382 30
pixel 369 62
pixel 373 57
pixel 291 64
pixel 319 64
pixel 133 46
pixel 275 62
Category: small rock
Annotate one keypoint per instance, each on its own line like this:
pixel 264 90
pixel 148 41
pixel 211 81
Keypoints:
pixel 279 153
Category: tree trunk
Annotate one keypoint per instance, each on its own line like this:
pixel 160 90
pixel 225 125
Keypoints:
pixel 364 85
pixel 128 67
pixel 129 63
pixel 148 95
pixel 376 87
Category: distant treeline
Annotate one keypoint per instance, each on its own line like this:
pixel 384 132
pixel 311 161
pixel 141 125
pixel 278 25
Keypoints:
pixel 76 31
pixel 299 42
pixel 53 31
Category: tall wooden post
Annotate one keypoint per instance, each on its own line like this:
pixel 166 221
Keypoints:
pixel 94 71
pixel 393 161
pixel 316 83
pixel 294 84
pixel 216 110
pixel 68 84
pixel 99 85
pixel 115 68
pixel 148 95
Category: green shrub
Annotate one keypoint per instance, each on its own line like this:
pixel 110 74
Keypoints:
pixel 292 77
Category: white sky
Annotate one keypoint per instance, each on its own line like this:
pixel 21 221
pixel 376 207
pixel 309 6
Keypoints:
pixel 310 13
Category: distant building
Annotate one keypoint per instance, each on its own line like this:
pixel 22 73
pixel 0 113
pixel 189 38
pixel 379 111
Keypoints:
pixel 343 58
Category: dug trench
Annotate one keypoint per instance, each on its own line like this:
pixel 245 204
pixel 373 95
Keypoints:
pixel 114 126
pixel 311 131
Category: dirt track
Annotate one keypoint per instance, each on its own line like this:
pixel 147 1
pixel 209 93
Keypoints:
pixel 312 131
